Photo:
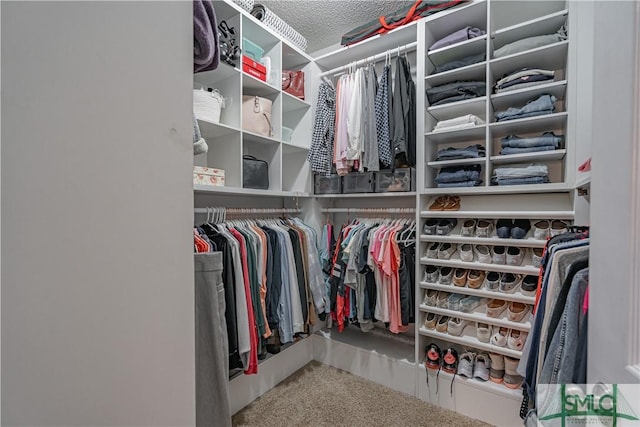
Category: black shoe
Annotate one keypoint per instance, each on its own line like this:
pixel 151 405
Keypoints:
pixel 503 228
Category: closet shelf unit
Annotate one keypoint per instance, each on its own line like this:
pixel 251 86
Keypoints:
pixel 455 262
pixel 517 296
pixel 478 316
pixel 455 237
pixel 366 195
pixel 208 189
pixel 289 173
pixel 483 386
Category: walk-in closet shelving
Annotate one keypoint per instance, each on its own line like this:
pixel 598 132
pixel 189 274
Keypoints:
pixel 517 296
pixel 478 316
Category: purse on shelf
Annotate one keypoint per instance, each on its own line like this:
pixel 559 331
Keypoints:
pixel 208 104
pixel 293 83
pixel 229 49
pixel 255 173
pixel 256 115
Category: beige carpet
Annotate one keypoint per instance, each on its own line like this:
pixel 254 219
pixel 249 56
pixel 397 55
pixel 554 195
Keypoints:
pixel 320 395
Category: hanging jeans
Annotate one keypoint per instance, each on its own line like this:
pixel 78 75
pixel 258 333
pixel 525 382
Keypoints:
pixel 212 363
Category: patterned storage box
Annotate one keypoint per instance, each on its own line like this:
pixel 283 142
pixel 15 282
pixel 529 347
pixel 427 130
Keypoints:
pixel 208 176
pixel 327 184
pixel 402 179
pixel 358 183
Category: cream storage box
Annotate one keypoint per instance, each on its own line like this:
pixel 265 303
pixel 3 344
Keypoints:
pixel 208 176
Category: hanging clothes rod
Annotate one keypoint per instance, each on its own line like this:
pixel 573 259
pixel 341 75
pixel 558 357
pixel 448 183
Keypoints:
pixel 375 58
pixel 370 210
pixel 248 211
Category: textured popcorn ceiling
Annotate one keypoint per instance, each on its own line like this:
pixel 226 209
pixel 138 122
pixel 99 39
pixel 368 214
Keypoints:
pixel 324 22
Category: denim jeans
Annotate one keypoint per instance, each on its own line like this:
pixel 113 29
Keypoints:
pixel 541 105
pixel 521 172
pixel 470 152
pixel 521 181
pixel 458 174
pixel 470 183
pixel 456 91
pixel 511 150
pixel 547 139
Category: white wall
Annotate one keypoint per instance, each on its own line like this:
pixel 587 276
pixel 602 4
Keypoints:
pixel 97 277
pixel 610 264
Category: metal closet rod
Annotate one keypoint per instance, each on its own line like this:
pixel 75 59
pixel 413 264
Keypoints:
pixel 375 58
pixel 369 210
pixel 248 211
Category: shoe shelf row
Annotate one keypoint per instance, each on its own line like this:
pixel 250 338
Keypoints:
pixel 469 340
pixel 516 296
pixel 478 315
pixel 485 386
pixel 455 262
pixel 493 240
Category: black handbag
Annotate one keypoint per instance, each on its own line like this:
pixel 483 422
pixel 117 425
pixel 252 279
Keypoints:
pixel 255 173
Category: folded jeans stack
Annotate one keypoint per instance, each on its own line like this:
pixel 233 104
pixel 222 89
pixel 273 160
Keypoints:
pixel 470 152
pixel 548 141
pixel 459 176
pixel 521 174
pixel 523 78
pixel 458 36
pixel 461 122
pixel 455 91
pixel 531 43
pixel 459 63
pixel 542 105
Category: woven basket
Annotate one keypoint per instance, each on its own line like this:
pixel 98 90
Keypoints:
pixel 207 106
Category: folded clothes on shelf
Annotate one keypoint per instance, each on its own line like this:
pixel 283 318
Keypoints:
pixel 459 63
pixel 455 91
pixel 544 104
pixel 453 153
pixel 548 141
pixel 521 174
pixel 460 122
pixel 531 43
pixel 525 77
pixel 459 176
pixel 458 36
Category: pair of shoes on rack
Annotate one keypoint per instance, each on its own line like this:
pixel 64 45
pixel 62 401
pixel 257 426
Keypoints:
pixel 441 250
pixel 469 278
pixel 503 370
pixel 505 337
pixel 439 275
pixel 516 311
pixel 446 203
pixel 436 359
pixel 477 228
pixel 545 228
pixel 514 229
pixel 474 365
pixel 440 227
pixel 507 283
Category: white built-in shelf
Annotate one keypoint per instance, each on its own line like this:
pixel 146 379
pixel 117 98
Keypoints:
pixel 464 48
pixel 215 130
pixel 454 109
pixel 457 135
pixel 529 124
pixel 510 206
pixel 254 137
pixel 377 341
pixel 493 240
pixel 455 262
pixel 293 58
pixel 539 156
pixel 292 103
pixel 468 338
pixel 369 47
pixel 243 192
pixel 469 72
pixel 517 296
pixel 291 146
pixel 485 386
pixel 502 189
pixel 253 86
pixel 222 72
pixel 549 57
pixel 503 100
pixel 479 315
pixel 543 25
pixel 445 163
pixel 366 195
pixel 584 180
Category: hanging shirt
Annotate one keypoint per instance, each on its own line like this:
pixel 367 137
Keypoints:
pixel 322 138
pixel 382 118
pixel 370 158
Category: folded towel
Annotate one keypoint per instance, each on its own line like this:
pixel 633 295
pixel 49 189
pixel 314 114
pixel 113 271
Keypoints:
pixel 206 55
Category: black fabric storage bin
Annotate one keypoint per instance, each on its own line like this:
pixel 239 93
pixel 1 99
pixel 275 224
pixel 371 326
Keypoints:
pixel 358 183
pixel 327 184
pixel 402 179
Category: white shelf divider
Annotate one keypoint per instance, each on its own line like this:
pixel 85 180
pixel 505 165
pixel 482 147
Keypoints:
pixel 445 163
pixel 541 156
pixel 243 192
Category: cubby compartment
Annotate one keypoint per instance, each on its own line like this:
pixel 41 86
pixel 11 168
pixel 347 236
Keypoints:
pixel 225 152
pixel 270 46
pixel 269 151
pixel 276 113
pixel 296 171
pixel 515 13
pixel 226 80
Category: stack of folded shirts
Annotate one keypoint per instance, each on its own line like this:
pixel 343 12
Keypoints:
pixel 461 122
pixel 536 107
pixel 459 176
pixel 531 43
pixel 459 63
pixel 523 78
pixel 452 153
pixel 458 36
pixel 548 141
pixel 521 174
pixel 456 91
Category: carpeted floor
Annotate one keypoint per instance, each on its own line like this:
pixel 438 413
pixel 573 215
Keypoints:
pixel 321 395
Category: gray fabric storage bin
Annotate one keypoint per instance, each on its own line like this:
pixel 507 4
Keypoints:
pixel 327 184
pixel 358 183
pixel 402 179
